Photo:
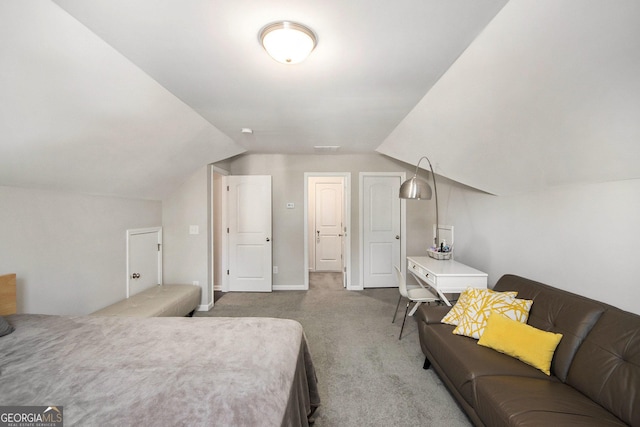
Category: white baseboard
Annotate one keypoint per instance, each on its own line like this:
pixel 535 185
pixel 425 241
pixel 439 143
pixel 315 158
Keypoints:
pixel 205 307
pixel 288 288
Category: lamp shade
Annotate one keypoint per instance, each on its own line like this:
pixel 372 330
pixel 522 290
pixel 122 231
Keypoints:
pixel 415 188
pixel 288 42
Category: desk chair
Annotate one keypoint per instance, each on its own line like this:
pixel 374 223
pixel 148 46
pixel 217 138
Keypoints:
pixel 416 294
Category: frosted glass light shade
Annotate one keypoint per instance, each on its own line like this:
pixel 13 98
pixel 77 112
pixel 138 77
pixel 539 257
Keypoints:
pixel 288 42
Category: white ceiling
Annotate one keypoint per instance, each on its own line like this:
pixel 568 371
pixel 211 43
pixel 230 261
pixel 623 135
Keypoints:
pixel 129 97
pixel 374 61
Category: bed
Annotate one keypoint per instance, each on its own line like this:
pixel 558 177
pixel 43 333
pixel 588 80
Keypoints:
pixel 160 371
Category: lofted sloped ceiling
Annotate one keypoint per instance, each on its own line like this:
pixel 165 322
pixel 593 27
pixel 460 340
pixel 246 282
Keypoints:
pixel 75 115
pixel 547 95
pixel 127 97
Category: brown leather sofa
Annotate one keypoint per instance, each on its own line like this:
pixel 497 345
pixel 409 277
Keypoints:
pixel 595 372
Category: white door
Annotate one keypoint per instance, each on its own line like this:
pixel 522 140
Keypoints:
pixel 381 230
pixel 328 225
pixel 249 216
pixel 144 259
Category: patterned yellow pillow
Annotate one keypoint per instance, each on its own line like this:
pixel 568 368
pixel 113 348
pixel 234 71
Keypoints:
pixel 467 297
pixel 474 320
pixel 453 316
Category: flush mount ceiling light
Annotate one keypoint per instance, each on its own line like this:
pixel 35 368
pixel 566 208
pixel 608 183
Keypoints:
pixel 288 42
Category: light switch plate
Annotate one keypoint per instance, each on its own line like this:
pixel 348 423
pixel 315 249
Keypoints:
pixel 194 229
pixel 290 205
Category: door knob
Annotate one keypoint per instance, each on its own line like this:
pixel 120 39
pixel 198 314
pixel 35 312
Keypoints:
pixel 397 237
pixel 135 276
pixel 268 240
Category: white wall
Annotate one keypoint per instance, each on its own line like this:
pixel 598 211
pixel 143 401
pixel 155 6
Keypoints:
pixel 68 250
pixel 288 186
pixel 186 256
pixel 581 238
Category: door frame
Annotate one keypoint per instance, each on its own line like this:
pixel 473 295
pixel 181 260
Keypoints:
pixel 217 238
pixel 347 224
pixel 135 231
pixel 403 222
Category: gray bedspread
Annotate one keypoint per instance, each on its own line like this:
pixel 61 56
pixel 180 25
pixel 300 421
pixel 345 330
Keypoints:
pixel 160 371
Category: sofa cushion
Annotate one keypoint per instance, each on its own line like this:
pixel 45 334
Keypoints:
pixel 557 311
pixel 463 360
pixel 504 401
pixel 606 368
pixel 431 313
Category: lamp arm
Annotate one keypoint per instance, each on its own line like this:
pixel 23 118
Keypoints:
pixel 435 191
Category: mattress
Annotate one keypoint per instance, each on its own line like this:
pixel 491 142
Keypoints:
pixel 160 371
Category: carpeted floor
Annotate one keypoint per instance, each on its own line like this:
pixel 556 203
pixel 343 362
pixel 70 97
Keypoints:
pixel 366 375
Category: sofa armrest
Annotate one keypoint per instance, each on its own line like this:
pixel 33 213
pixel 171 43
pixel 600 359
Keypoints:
pixel 431 313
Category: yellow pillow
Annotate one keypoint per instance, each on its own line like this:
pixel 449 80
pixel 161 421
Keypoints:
pixel 474 319
pixel 467 297
pixel 459 307
pixel 524 342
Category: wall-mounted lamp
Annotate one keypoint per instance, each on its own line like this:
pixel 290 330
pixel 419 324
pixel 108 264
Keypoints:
pixel 418 189
pixel 288 42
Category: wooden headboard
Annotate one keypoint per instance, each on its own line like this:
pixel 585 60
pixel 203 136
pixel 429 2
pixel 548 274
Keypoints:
pixel 7 294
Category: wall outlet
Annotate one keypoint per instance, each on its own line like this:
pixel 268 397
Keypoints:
pixel 290 205
pixel 194 229
pixel 275 269
pixel 196 283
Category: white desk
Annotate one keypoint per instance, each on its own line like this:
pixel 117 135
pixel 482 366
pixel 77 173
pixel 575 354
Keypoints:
pixel 445 276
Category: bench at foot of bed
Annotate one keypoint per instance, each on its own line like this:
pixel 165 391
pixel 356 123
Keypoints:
pixel 159 301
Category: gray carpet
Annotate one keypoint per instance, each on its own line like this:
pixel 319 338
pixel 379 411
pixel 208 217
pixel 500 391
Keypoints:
pixel 366 375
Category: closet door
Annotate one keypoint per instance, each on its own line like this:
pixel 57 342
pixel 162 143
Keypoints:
pixel 144 259
pixel 381 230
pixel 249 229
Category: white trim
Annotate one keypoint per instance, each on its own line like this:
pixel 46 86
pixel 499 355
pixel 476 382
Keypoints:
pixel 131 232
pixel 205 307
pixel 224 241
pixel 212 232
pixel 403 222
pixel 288 287
pixel 210 236
pixel 347 219
pixel 219 171
pixel 224 286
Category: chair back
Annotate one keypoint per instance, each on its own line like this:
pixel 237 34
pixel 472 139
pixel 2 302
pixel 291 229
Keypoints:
pixel 402 284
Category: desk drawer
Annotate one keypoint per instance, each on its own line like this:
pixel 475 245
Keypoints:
pixel 424 274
